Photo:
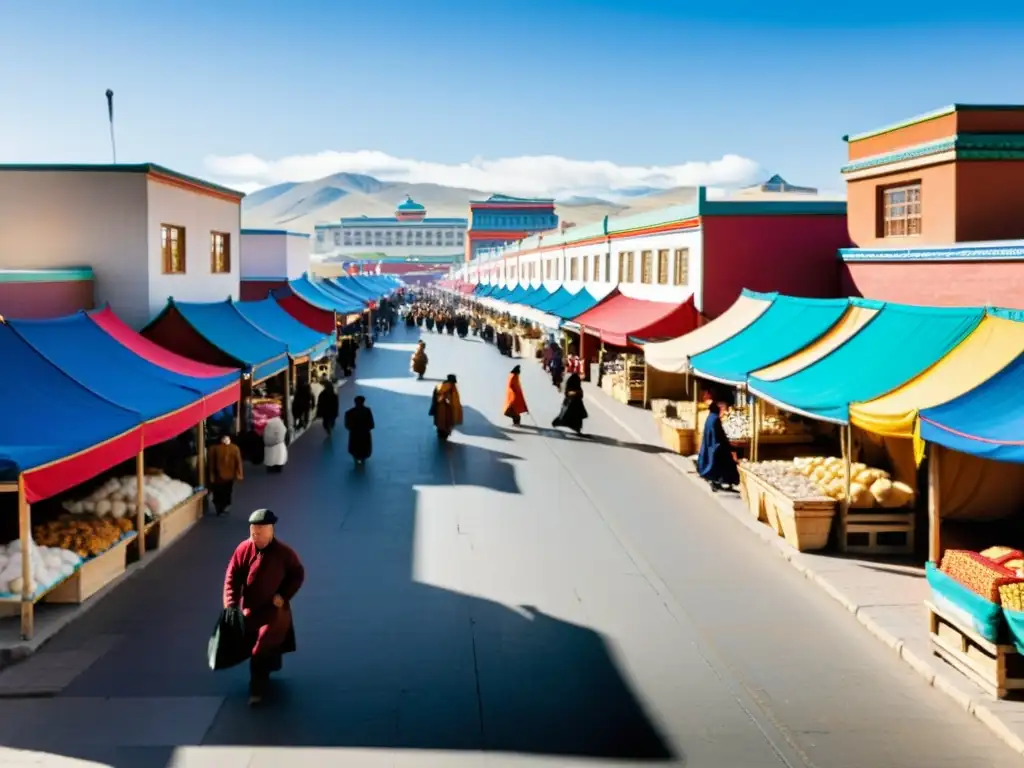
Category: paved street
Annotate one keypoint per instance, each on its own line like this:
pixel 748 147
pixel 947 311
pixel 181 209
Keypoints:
pixel 517 597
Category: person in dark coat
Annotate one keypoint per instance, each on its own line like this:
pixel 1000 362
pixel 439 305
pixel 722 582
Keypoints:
pixel 715 462
pixel 573 410
pixel 327 407
pixel 359 423
pixel 302 403
pixel 261 579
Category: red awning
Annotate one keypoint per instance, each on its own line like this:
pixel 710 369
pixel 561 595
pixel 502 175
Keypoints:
pixel 620 317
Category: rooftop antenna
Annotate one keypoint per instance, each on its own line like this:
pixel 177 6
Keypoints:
pixel 110 116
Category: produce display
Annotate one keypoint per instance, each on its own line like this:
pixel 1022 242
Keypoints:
pixel 263 410
pixel 86 536
pixel 49 566
pixel 784 477
pixel 869 487
pixel 979 574
pixel 1012 596
pixel 117 498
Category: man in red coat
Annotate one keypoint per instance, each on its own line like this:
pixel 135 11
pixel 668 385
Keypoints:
pixel 262 578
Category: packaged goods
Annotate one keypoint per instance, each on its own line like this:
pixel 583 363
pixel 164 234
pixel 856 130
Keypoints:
pixel 977 573
pixel 1002 555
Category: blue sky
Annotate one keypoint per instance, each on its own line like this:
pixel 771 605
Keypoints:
pixel 436 84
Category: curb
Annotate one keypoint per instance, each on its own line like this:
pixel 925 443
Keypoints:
pixel 980 708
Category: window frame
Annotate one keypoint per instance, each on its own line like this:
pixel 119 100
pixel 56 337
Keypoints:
pixel 908 221
pixel 165 251
pixel 226 255
pixel 630 256
pixel 663 258
pixel 646 267
pixel 681 267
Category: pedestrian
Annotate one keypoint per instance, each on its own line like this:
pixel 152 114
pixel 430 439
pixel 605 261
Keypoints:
pixel 715 462
pixel 327 407
pixel 224 469
pixel 275 445
pixel 556 366
pixel 573 411
pixel 302 403
pixel 262 578
pixel 446 407
pixel 419 360
pixel 359 423
pixel 515 403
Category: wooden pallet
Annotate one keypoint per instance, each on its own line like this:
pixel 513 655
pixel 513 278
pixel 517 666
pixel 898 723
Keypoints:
pixel 879 532
pixel 996 668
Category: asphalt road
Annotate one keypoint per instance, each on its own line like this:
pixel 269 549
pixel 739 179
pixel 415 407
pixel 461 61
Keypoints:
pixel 515 597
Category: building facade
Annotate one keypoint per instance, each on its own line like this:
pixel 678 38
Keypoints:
pixel 36 294
pixel 409 234
pixel 710 249
pixel 935 209
pixel 147 232
pixel 269 258
pixel 501 219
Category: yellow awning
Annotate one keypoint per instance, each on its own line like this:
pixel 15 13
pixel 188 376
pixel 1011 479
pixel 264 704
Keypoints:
pixel 993 345
pixel 849 325
pixel 673 356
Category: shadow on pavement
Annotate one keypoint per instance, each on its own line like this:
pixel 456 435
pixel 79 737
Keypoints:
pixel 383 660
pixel 588 437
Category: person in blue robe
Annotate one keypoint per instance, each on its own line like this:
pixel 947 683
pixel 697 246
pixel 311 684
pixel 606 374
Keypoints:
pixel 715 462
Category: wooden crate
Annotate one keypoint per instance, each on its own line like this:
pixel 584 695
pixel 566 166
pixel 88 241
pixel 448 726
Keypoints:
pixel 997 668
pixel 752 491
pixel 804 522
pixel 677 440
pixel 93 576
pixel 176 522
pixel 879 532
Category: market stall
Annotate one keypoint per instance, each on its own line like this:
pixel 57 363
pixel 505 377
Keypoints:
pixel 821 382
pixel 217 334
pixel 316 312
pixel 80 536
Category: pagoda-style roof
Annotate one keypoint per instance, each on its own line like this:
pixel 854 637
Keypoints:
pixel 410 205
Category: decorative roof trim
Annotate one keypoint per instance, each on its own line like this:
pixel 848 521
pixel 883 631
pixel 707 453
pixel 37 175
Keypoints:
pixel 147 168
pixel 65 275
pixel 286 232
pixel 1002 250
pixel 933 115
pixel 967 146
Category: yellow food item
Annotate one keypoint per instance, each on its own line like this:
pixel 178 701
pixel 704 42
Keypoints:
pixel 1012 596
pixel 860 496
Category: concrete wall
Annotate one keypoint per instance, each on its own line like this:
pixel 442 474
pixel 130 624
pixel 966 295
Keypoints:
pixel 297 255
pixel 200 214
pixel 938 207
pixel 54 219
pixel 794 255
pixel 39 298
pixel 948 284
pixel 264 255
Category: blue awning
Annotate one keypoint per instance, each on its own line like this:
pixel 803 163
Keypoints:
pixel 338 288
pixel 582 301
pixel 556 299
pixel 354 286
pixel 224 327
pixel 313 294
pixel 269 317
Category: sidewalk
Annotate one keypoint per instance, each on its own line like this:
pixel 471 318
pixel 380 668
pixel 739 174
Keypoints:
pixel 886 597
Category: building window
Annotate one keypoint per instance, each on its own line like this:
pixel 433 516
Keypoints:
pixel 622 267
pixel 172 247
pixel 901 210
pixel 663 267
pixel 629 267
pixel 646 267
pixel 597 260
pixel 608 267
pixel 220 253
pixel 320 236
pixel 681 271
pixel 574 268
pixel 547 269
pixel 337 238
pixel 586 267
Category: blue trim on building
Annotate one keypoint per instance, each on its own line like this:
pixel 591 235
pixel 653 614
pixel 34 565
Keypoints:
pixel 287 232
pixel 65 275
pixel 996 250
pixel 362 221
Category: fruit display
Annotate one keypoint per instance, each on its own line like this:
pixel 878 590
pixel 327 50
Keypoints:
pixel 263 410
pixel 869 487
pixel 117 498
pixel 86 536
pixel 979 574
pixel 784 477
pixel 49 566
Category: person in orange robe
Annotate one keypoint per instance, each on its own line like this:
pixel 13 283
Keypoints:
pixel 515 403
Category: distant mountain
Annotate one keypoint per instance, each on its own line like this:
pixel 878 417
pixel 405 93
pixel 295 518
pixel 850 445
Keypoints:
pixel 301 206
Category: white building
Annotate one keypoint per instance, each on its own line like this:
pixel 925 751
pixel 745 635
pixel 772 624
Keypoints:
pixel 408 234
pixel 273 254
pixel 147 232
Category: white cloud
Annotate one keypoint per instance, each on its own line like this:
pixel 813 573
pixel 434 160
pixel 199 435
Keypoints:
pixel 541 175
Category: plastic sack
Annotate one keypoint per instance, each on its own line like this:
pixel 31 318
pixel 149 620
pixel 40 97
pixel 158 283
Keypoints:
pixel 227 647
